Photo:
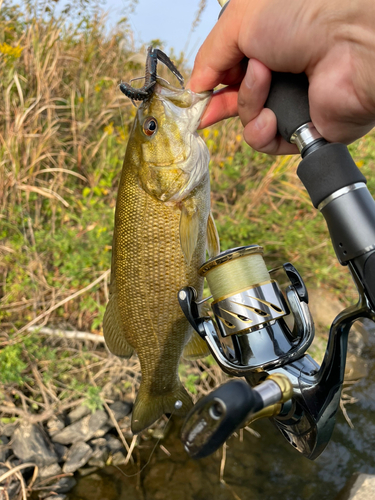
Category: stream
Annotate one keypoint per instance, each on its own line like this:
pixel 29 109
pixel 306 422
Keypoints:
pixel 256 468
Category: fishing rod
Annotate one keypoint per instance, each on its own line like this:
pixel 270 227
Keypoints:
pixel 250 336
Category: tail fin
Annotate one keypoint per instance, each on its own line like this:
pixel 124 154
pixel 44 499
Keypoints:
pixel 148 408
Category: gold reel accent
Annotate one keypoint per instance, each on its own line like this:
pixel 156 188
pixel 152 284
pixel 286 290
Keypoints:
pixel 271 411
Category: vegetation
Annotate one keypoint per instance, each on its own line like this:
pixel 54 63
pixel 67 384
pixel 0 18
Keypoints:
pixel 64 126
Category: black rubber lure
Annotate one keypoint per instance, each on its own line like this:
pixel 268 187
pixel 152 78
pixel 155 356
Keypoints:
pixel 143 93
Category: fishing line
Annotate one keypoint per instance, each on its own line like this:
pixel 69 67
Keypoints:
pixel 177 406
pixel 237 274
pixel 120 110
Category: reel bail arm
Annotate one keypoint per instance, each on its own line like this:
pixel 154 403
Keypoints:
pixel 252 319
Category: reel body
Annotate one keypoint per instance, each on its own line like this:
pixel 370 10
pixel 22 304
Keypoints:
pixel 250 337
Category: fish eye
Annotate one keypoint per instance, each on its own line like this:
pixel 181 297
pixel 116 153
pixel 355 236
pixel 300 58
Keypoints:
pixel 150 126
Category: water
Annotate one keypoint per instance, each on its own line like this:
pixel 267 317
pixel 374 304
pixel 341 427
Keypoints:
pixel 265 468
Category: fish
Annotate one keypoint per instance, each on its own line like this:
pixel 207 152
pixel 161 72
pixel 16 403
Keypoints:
pixel 163 228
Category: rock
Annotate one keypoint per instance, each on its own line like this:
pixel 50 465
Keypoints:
pixel 83 430
pixel 78 413
pixel 61 451
pixel 49 471
pixel 99 457
pixel 359 487
pixel 4 450
pixel 78 456
pixel 31 444
pixel 64 485
pixel 98 442
pixel 324 307
pixel 120 409
pixel 13 489
pixel 118 458
pixel 103 431
pixel 55 424
pixel 9 429
pixel 87 470
pixel 355 368
pixel 56 497
pixel 113 444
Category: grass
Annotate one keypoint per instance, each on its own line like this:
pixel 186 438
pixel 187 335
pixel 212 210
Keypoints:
pixel 64 126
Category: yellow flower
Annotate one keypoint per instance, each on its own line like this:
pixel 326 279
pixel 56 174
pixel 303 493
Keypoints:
pixel 360 163
pixel 121 134
pixel 109 128
pixel 206 133
pixel 10 51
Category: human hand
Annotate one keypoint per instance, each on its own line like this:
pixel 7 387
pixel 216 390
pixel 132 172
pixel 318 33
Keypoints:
pixel 332 41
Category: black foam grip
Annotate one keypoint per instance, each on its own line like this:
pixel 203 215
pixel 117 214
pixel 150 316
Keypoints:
pixel 288 99
pixel 328 169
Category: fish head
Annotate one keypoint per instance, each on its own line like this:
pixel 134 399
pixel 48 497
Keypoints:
pixel 171 158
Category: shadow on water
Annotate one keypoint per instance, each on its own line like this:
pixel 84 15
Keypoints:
pixel 264 468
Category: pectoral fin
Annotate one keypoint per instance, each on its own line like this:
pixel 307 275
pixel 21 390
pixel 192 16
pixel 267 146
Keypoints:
pixel 189 229
pixel 213 242
pixel 196 348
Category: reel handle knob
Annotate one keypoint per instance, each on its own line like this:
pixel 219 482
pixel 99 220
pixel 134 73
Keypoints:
pixel 216 416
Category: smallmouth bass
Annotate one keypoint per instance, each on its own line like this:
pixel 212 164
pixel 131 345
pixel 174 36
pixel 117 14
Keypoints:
pixel 163 227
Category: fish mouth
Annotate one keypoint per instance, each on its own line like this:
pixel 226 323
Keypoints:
pixel 184 98
pixel 185 102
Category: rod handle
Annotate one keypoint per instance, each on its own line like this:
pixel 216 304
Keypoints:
pixel 288 99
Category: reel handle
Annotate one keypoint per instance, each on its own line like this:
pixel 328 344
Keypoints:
pixel 215 417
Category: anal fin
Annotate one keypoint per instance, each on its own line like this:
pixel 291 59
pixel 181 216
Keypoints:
pixel 149 408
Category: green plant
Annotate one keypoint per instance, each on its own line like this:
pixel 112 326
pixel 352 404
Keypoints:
pixel 12 365
pixel 94 401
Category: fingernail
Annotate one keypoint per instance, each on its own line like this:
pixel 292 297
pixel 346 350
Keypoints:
pixel 250 77
pixel 261 121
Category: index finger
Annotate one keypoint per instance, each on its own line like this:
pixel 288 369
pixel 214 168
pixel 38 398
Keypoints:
pixel 219 54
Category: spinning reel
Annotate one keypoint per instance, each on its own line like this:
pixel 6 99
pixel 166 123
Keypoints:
pixel 250 336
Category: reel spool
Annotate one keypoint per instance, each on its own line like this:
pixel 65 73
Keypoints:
pixel 246 299
pixel 249 309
